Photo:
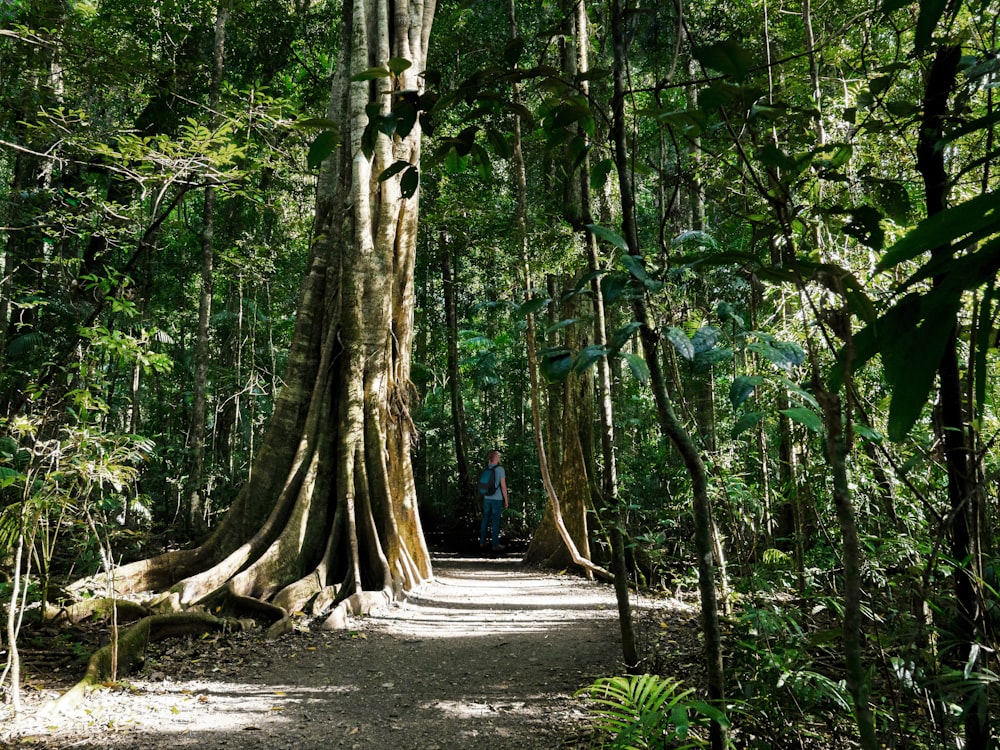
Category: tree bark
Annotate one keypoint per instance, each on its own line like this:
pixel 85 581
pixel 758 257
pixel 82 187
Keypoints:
pixel 465 475
pixel 329 514
pixel 196 510
pixel 961 488
pixel 609 479
pixel 669 423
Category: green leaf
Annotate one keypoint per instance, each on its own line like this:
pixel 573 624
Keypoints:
pixel 454 163
pixel 930 13
pixel 917 356
pixel 984 333
pixel 369 137
pixel 317 123
pixel 322 146
pixel 614 286
pixel 728 57
pixel 499 143
pixel 8 477
pixel 865 226
pixel 742 387
pixel 406 117
pixel 561 324
pixel 784 354
pixel 805 416
pixel 635 267
pixel 588 356
pixel 397 65
pixel 638 366
pixel 867 433
pixel 409 182
pixel 599 174
pixel 746 422
pixel 704 361
pixel 705 338
pixel 603 233
pixel 371 74
pixel 512 51
pixel 556 365
pixel 532 306
pixel 681 342
pixel 393 170
pixel 977 217
pixel 696 239
pixel 621 336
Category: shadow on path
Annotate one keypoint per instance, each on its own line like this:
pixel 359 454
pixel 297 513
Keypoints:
pixel 488 655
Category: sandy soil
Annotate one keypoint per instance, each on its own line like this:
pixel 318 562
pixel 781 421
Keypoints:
pixel 487 655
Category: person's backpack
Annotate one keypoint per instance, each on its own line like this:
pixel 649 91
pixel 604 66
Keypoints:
pixel 488 481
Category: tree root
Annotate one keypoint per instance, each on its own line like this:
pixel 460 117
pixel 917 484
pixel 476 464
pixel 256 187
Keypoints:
pixel 132 649
pixel 74 614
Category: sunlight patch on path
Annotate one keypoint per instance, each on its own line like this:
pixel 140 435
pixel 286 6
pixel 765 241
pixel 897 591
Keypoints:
pixel 475 597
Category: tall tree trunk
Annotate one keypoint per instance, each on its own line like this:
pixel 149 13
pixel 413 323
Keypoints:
pixel 465 475
pixel 836 454
pixel 669 423
pixel 196 516
pixel 567 456
pixel 961 488
pixel 609 479
pixel 329 514
pixel 555 509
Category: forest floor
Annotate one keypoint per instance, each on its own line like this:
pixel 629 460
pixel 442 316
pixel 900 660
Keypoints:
pixel 489 654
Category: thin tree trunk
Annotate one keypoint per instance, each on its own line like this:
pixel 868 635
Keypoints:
pixel 609 481
pixel 669 423
pixel 521 236
pixel 857 678
pixel 930 162
pixel 465 475
pixel 196 519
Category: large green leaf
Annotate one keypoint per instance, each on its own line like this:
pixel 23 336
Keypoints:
pixel 805 416
pixel 784 354
pixel 984 334
pixel 635 267
pixel 705 360
pixel 532 306
pixel 322 146
pixel 588 357
pixel 930 13
pixel 556 365
pixel 397 65
pixel 742 387
pixel 621 336
pixel 371 74
pixel 917 358
pixel 681 342
pixel 409 182
pixel 638 366
pixel 971 220
pixel 603 233
pixel 747 421
pixel 392 170
pixel 705 338
pixel 727 57
pixel 8 477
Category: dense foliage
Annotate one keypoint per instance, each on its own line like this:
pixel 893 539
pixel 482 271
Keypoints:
pixel 818 244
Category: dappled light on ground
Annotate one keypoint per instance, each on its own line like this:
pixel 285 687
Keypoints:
pixel 487 654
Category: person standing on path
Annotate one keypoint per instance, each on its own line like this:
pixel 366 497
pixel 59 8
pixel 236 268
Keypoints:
pixel 494 493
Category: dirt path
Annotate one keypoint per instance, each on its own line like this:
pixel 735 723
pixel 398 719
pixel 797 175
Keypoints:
pixel 487 655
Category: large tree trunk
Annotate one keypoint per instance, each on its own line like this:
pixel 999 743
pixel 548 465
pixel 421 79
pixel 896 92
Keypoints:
pixel 329 514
